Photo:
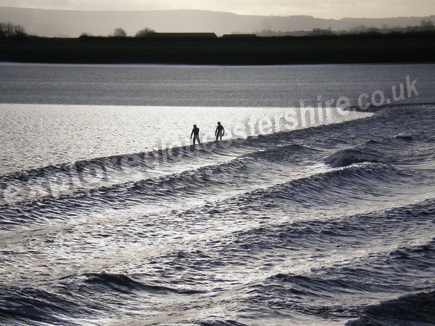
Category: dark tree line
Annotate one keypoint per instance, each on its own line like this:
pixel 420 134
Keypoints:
pixel 145 32
pixel 120 32
pixel 9 30
pixel 426 26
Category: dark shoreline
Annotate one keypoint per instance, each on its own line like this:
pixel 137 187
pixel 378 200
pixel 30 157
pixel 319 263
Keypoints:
pixel 366 48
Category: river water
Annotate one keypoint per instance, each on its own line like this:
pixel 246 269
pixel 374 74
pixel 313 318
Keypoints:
pixel 316 208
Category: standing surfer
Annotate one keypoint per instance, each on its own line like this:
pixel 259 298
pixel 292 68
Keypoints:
pixel 195 134
pixel 220 132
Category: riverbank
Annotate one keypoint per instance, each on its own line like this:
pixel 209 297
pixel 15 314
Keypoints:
pixel 368 48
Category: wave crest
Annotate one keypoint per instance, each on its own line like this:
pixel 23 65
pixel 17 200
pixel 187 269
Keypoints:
pixel 351 156
pixel 416 309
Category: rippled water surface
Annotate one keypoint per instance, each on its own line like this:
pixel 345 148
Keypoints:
pixel 300 216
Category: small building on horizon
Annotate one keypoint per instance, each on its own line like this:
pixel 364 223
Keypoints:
pixel 239 36
pixel 183 35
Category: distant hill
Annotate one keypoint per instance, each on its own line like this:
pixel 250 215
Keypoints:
pixel 73 23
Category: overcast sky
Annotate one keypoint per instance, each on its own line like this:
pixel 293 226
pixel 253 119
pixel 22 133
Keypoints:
pixel 317 8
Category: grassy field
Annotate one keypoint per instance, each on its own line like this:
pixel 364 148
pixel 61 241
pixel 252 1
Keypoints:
pixel 392 48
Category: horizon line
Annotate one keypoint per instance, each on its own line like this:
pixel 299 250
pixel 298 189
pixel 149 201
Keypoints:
pixel 213 11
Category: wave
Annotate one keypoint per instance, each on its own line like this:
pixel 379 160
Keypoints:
pixel 75 297
pixel 88 175
pixel 348 157
pixel 221 323
pixel 399 148
pixel 342 184
pixel 359 226
pixel 386 272
pixel 235 173
pixel 123 283
pixel 414 309
pixel 34 306
pixel 86 172
pixel 349 183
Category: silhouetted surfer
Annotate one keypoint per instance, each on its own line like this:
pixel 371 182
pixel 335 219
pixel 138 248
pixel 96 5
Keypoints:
pixel 195 134
pixel 220 131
